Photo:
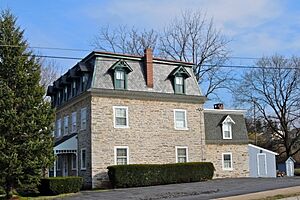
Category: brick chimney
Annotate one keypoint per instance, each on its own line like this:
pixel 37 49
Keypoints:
pixel 219 106
pixel 149 67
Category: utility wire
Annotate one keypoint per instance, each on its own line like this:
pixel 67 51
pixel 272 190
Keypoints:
pixel 89 50
pixel 78 58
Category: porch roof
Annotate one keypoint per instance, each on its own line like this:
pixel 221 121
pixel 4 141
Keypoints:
pixel 68 144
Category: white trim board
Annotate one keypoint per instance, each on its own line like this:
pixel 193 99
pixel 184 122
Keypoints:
pixel 265 150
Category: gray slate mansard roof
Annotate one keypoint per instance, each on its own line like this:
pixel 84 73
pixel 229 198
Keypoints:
pixel 213 127
pixel 137 79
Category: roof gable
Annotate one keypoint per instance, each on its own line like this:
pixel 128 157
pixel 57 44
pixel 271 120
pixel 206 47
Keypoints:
pixel 180 71
pixel 228 119
pixel 121 64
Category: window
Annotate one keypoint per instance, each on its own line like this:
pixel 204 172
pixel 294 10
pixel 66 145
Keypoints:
pixel 180 121
pixel 181 154
pixel 121 117
pixel 179 85
pixel 58 128
pixel 58 163
pixel 227 161
pixel 74 161
pixel 227 127
pixel 120 71
pixel 74 126
pixel 83 119
pixel 227 131
pixel 66 93
pixel 83 159
pixel 58 98
pixel 66 125
pixel 178 76
pixel 74 88
pixel 84 82
pixel 121 155
pixel 120 79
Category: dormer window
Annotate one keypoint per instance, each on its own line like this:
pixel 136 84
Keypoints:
pixel 120 72
pixel 84 82
pixel 74 88
pixel 227 128
pixel 120 79
pixel 66 93
pixel 179 85
pixel 58 97
pixel 179 75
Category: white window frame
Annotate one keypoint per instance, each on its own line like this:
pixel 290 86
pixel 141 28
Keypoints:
pixel 115 121
pixel 185 119
pixel 83 118
pixel 227 123
pixel 121 147
pixel 186 151
pixel 66 125
pixel 74 122
pixel 81 159
pixel 58 128
pixel 72 162
pixel 231 161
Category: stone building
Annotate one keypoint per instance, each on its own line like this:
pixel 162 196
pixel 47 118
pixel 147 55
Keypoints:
pixel 116 109
pixel 226 142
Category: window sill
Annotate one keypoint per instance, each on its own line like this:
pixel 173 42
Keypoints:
pixel 83 169
pixel 227 138
pixel 121 127
pixel 229 169
pixel 181 129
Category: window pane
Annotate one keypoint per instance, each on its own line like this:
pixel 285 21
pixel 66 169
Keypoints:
pixel 227 161
pixel 121 156
pixel 121 112
pixel 179 80
pixel 121 152
pixel 181 155
pixel 180 119
pixel 119 75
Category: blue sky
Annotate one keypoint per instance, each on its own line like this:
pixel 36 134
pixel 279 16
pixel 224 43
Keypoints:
pixel 255 27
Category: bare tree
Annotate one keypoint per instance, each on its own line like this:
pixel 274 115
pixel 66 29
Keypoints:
pixel 191 37
pixel 49 72
pixel 125 40
pixel 274 88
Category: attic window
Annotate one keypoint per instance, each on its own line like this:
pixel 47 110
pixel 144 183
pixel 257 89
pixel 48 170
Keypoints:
pixel 179 75
pixel 227 128
pixel 120 72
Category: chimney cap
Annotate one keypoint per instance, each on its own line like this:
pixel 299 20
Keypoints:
pixel 219 106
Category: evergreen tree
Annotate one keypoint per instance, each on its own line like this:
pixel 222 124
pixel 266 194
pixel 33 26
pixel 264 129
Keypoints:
pixel 26 144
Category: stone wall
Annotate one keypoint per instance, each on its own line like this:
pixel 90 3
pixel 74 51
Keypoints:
pixel 151 136
pixel 83 136
pixel 240 159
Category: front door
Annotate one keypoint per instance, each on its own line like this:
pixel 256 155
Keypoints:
pixel 65 166
pixel 261 165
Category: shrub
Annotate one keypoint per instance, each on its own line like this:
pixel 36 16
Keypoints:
pixel 157 174
pixel 60 185
pixel 297 172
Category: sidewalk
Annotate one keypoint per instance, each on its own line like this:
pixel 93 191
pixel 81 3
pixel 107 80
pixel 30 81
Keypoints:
pixel 269 193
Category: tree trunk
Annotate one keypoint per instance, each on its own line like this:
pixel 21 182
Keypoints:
pixel 8 190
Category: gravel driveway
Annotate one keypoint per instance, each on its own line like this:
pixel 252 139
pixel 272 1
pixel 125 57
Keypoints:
pixel 201 190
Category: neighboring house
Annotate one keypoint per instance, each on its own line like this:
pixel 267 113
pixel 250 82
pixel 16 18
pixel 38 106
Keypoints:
pixel 114 109
pixel 226 141
pixel 262 162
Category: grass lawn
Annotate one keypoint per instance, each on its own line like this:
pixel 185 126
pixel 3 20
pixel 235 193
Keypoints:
pixel 280 196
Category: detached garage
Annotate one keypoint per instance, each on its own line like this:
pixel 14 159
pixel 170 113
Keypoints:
pixel 262 162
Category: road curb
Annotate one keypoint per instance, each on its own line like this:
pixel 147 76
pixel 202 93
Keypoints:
pixel 264 194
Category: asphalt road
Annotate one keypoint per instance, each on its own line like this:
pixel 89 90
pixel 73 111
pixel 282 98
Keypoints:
pixel 212 189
